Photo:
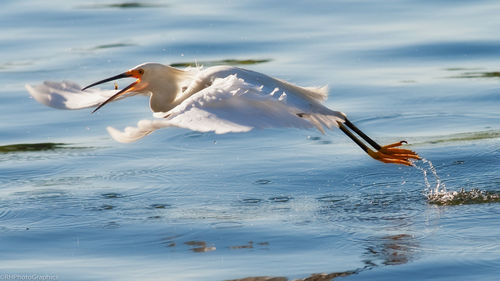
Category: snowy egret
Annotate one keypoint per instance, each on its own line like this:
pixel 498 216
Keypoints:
pixel 221 99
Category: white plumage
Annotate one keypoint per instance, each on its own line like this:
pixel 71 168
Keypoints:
pixel 221 99
pixel 67 95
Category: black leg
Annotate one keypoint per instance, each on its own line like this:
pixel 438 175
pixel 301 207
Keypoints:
pixel 386 154
pixel 353 137
pixel 362 135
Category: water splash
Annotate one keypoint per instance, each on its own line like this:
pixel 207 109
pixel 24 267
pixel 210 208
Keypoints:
pixel 473 196
pixel 439 187
pixel 438 194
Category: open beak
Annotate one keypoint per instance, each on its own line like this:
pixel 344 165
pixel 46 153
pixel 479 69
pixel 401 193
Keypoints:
pixel 129 88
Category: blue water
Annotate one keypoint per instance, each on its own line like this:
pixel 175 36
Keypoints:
pixel 181 205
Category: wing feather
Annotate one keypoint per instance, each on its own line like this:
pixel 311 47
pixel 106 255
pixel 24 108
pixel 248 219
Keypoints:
pixel 228 105
pixel 67 95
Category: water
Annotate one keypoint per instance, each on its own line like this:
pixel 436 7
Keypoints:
pixel 182 205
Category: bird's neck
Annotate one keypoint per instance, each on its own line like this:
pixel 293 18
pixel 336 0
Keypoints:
pixel 168 88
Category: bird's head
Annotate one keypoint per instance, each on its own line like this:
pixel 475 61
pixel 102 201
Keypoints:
pixel 150 78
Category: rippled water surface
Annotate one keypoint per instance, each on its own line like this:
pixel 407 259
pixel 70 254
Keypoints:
pixel 289 204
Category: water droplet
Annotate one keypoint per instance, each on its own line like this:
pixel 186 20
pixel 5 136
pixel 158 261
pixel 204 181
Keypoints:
pixel 439 187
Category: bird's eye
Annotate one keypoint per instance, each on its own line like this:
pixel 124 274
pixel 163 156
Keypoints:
pixel 141 71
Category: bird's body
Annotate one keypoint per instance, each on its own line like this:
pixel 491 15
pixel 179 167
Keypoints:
pixel 221 99
pixel 194 81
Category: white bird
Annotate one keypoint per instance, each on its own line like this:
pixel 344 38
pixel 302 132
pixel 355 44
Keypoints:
pixel 221 99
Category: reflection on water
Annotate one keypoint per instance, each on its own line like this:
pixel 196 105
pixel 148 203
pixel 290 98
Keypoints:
pixel 219 62
pixel 102 47
pixel 387 250
pixel 251 245
pixel 160 206
pixel 261 278
pixel 21 147
pixel 112 195
pixel 8 65
pixel 200 246
pixel 312 277
pixel 463 137
pixel 473 73
pixel 262 181
pixel 105 207
pixel 123 5
pixel 391 250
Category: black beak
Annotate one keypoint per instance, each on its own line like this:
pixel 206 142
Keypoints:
pixel 119 76
pixel 113 97
pixel 123 91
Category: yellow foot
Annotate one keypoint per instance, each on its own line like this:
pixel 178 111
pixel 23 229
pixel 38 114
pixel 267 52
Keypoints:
pixel 391 154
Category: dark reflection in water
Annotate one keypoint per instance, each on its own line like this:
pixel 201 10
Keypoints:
pixel 261 278
pixel 8 65
pixel 115 45
pixel 251 200
pixel 262 181
pixel 105 207
pixel 462 137
pixel 387 250
pixel 473 73
pixel 250 245
pixel 391 250
pixel 220 62
pixel 102 47
pixel 313 277
pixel 200 246
pixel 111 225
pixel 327 276
pixel 280 199
pixel 124 5
pixel 22 147
pixel 112 195
pixel 159 206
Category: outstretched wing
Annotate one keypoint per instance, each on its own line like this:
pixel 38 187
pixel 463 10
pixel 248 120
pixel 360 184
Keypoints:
pixel 228 105
pixel 67 95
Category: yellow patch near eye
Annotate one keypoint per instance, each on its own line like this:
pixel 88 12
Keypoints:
pixel 116 86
